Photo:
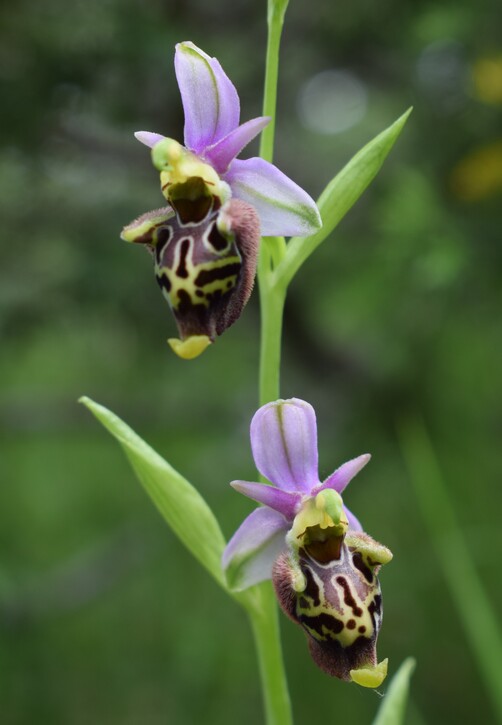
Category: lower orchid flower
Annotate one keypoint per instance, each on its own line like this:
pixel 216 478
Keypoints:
pixel 206 242
pixel 323 566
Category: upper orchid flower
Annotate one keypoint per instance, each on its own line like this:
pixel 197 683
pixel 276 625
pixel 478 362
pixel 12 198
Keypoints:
pixel 206 242
pixel 322 564
pixel 213 140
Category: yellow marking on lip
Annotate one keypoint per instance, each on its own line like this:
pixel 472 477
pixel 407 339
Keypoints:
pixel 190 348
pixel 370 676
pixel 187 283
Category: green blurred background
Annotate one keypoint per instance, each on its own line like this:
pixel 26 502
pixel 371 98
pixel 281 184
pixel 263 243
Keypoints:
pixel 104 617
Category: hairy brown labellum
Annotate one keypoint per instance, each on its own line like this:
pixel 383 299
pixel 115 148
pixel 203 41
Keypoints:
pixel 340 607
pixel 205 267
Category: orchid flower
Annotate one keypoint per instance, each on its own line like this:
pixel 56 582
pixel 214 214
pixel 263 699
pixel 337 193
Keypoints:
pixel 322 564
pixel 213 138
pixel 205 244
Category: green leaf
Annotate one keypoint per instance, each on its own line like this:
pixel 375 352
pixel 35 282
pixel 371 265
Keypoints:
pixel 460 571
pixel 178 501
pixel 340 195
pixel 392 708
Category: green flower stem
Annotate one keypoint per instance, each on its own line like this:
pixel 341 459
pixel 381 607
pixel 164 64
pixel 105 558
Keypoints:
pixel 264 618
pixel 272 300
pixel 272 249
pixel 275 19
pixel 474 608
pixel 263 613
pixel 265 624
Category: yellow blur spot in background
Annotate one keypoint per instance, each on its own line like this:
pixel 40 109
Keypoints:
pixel 487 79
pixel 479 174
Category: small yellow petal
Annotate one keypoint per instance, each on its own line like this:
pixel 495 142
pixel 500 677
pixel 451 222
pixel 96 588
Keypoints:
pixel 191 347
pixel 370 676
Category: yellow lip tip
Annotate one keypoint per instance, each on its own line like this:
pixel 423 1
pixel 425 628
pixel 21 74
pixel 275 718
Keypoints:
pixel 370 676
pixel 190 348
pixel 128 235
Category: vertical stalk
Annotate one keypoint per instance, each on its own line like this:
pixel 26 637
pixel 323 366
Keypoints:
pixel 265 625
pixel 275 20
pixel 264 615
pixel 272 300
pixel 271 297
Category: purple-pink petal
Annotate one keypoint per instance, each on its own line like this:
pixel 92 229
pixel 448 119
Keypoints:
pixel 345 473
pixel 222 153
pixel 284 444
pixel 283 501
pixel 209 98
pixel 252 550
pixel 285 209
pixel 354 524
pixel 148 137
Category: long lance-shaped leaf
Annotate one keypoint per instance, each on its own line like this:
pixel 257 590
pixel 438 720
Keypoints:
pixel 178 501
pixel 479 617
pixel 339 196
pixel 391 711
